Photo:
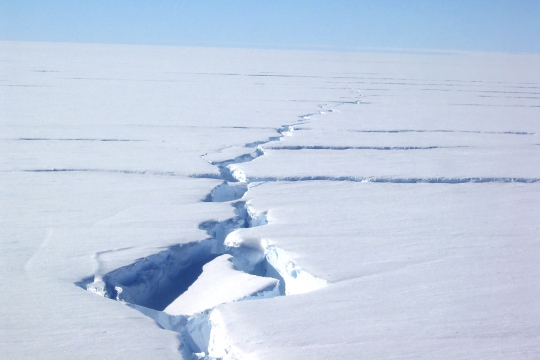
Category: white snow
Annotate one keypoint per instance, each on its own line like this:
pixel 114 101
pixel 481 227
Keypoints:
pixel 367 205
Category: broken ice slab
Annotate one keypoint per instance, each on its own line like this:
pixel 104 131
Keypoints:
pixel 227 192
pixel 97 287
pixel 221 283
pixel 295 279
pixel 234 155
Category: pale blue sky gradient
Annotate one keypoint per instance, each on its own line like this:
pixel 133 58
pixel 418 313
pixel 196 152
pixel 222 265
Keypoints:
pixel 485 25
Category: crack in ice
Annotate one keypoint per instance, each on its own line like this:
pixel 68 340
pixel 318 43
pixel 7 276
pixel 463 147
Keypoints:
pixel 158 284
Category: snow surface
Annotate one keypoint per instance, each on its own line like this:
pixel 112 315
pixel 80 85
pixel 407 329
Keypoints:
pixel 367 205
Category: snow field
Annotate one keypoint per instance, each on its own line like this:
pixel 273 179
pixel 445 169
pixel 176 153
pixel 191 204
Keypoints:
pixel 138 172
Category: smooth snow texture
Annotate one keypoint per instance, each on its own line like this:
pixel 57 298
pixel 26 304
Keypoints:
pixel 454 163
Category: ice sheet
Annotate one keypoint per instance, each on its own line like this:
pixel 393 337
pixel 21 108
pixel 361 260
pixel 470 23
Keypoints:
pixel 133 166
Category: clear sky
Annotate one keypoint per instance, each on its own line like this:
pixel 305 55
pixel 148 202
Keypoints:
pixel 486 25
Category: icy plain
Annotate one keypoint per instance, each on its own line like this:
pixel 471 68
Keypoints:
pixel 264 204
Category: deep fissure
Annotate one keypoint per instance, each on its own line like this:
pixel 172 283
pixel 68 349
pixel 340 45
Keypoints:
pixel 156 283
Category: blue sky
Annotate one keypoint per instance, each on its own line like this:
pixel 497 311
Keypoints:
pixel 485 25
